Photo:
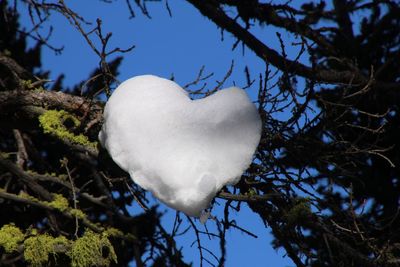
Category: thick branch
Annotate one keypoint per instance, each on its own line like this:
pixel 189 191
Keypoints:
pixel 13 197
pixel 265 12
pixel 247 198
pixel 212 10
pixel 20 109
pixel 14 169
pixel 14 100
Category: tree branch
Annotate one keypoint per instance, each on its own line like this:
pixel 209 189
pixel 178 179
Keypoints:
pixel 212 10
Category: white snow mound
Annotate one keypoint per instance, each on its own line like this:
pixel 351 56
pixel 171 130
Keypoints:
pixel 183 151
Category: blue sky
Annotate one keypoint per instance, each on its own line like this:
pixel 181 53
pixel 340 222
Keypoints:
pixel 166 46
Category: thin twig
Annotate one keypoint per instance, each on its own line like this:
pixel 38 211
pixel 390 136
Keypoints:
pixel 64 163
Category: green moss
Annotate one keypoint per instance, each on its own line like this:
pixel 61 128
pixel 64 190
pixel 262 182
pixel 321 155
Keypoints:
pixel 77 213
pixel 92 249
pixel 63 177
pixel 39 248
pixel 251 192
pixel 59 202
pixel 27 84
pixel 111 231
pixel 7 52
pixel 32 231
pixel 116 233
pixel 25 195
pixel 5 155
pixel 299 212
pixel 52 122
pixel 10 238
pixel 39 89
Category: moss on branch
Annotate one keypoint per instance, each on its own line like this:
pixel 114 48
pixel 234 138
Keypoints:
pixel 38 248
pixel 10 238
pixel 91 249
pixel 53 122
pixel 299 212
pixel 59 202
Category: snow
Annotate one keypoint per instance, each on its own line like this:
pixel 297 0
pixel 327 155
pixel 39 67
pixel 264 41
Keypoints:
pixel 183 151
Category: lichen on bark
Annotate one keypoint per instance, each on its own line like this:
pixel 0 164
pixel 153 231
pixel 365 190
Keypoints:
pixel 59 202
pixel 10 238
pixel 37 249
pixel 92 249
pixel 53 122
pixel 299 212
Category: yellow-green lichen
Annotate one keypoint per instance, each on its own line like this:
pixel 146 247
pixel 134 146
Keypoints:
pixel 111 231
pixel 77 213
pixel 5 155
pixel 39 89
pixel 51 174
pixel 10 237
pixel 28 84
pixel 251 192
pixel 7 52
pixel 299 212
pixel 92 249
pixel 62 177
pixel 37 249
pixel 52 122
pixel 59 202
pixel 25 195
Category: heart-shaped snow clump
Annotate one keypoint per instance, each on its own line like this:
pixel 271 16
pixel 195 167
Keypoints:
pixel 183 151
